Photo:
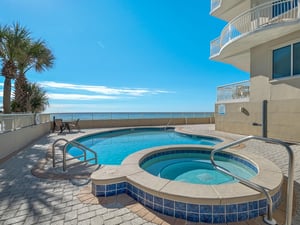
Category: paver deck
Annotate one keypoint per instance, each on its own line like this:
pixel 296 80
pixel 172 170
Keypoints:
pixel 28 199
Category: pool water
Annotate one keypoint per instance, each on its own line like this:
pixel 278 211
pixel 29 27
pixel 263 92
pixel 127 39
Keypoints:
pixel 114 146
pixel 196 168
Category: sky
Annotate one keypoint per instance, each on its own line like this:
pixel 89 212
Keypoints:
pixel 125 55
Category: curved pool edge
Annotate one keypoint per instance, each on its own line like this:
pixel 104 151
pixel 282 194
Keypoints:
pixel 170 197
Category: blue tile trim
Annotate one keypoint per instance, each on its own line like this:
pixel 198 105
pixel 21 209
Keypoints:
pixel 188 211
pixel 224 155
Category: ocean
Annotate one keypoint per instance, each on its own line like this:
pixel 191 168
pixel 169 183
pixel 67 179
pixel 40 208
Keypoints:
pixel 129 115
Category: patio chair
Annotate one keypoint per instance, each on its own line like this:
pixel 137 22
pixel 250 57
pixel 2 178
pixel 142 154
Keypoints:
pixel 74 125
pixel 60 125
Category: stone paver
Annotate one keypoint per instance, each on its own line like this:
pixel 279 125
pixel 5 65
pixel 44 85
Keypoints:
pixel 27 199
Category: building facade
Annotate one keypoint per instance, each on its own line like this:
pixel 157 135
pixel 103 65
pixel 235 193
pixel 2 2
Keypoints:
pixel 262 38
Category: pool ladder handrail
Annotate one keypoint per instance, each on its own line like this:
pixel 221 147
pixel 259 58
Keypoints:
pixel 289 205
pixel 80 146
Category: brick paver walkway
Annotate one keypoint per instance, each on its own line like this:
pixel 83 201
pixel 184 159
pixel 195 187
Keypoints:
pixel 27 199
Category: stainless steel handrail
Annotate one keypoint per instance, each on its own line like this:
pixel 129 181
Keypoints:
pixel 76 144
pixel 289 205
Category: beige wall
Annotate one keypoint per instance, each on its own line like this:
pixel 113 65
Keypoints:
pixel 282 119
pixel 283 98
pixel 16 140
pixel 262 86
pixel 84 124
pixel 235 121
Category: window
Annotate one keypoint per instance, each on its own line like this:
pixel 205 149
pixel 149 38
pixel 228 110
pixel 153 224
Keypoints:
pixel 282 6
pixel 286 61
pixel 296 59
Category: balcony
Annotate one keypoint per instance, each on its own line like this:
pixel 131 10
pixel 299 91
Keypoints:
pixel 214 4
pixel 227 10
pixel 236 92
pixel 244 30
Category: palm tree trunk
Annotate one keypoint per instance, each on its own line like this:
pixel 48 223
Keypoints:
pixel 21 98
pixel 6 95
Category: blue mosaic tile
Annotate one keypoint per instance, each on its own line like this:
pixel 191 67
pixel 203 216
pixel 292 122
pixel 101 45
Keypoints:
pixel 141 193
pixel 111 193
pixel 242 207
pixel 134 190
pixel 121 185
pixel 149 197
pixel 100 194
pixel 206 218
pixel 158 200
pixel 169 203
pixel 121 191
pixel 169 211
pixel 220 218
pixel 262 211
pixel 111 187
pixel 193 208
pixel 180 206
pixel 186 211
pixel 253 214
pixel 242 216
pixel 180 214
pixel 206 209
pixel 149 204
pixel 218 209
pixel 194 217
pixel 253 205
pixel 100 188
pixel 129 187
pixel 134 196
pixel 141 200
pixel 262 203
pixel 231 208
pixel 231 218
pixel 158 208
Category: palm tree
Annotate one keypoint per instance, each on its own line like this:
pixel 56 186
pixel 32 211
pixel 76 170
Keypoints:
pixel 34 55
pixel 11 42
pixel 37 98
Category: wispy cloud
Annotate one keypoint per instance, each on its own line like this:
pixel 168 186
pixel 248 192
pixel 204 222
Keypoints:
pixel 100 44
pixel 78 97
pixel 102 89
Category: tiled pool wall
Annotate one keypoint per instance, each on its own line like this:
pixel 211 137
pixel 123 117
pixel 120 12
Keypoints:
pixel 202 151
pixel 234 212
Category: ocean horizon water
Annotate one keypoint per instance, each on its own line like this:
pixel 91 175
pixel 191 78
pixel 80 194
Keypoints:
pixel 129 115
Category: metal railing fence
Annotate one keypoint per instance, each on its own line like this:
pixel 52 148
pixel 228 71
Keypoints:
pixel 236 92
pixel 11 122
pixel 214 4
pixel 260 16
pixel 129 115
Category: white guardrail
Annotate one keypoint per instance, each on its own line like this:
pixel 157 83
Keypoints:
pixel 11 122
pixel 214 4
pixel 236 92
pixel 262 15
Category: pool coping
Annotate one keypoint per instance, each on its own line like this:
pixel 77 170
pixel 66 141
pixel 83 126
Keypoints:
pixel 269 176
pixel 230 202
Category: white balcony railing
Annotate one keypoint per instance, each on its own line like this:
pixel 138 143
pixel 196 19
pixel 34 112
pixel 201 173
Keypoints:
pixel 214 4
pixel 258 17
pixel 236 92
pixel 11 122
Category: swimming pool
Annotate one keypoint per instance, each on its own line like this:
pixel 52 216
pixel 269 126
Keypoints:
pixel 114 146
pixel 195 167
pixel 222 203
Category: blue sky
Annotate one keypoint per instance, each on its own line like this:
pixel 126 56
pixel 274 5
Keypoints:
pixel 125 55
